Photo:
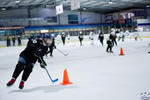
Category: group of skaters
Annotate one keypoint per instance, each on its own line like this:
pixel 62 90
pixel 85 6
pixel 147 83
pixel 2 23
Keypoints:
pixel 38 47
pixel 13 39
pixel 114 36
pixel 91 37
pixel 118 35
pixel 111 40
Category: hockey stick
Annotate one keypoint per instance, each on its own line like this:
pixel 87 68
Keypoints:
pixel 50 76
pixel 47 70
pixel 65 54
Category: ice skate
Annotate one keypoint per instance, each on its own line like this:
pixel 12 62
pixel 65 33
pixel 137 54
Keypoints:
pixel 21 85
pixel 51 55
pixel 11 82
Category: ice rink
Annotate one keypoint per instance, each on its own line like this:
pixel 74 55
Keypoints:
pixel 96 75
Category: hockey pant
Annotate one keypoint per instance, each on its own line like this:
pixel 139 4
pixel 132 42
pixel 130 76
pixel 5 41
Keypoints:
pixel 23 66
pixel 109 48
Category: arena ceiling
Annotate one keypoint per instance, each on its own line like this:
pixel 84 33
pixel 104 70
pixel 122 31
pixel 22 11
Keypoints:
pixel 101 6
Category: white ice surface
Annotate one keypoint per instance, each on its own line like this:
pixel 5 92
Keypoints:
pixel 96 75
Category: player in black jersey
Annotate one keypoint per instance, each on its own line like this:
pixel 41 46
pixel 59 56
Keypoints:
pixel 35 50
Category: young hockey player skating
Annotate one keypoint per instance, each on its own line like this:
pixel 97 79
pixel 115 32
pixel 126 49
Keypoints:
pixel 113 36
pixel 101 38
pixel 51 45
pixel 91 37
pixel 63 37
pixel 35 50
pixel 109 45
pixel 80 38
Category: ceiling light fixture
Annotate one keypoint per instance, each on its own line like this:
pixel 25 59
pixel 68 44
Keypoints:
pixel 17 1
pixel 3 9
pixel 110 2
pixel 47 5
pixel 84 8
pixel 147 6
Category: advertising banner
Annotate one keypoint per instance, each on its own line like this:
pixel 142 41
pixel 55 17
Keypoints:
pixel 59 9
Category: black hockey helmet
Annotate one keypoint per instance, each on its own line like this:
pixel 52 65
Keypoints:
pixel 39 41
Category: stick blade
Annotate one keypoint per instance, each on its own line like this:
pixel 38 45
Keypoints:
pixel 55 80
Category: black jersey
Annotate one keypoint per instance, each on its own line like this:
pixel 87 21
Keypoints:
pixel 33 50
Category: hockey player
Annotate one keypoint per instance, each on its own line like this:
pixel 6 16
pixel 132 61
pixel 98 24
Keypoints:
pixel 123 36
pixel 80 38
pixel 91 37
pixel 63 37
pixel 127 33
pixel 101 37
pixel 68 38
pixel 8 41
pixel 58 39
pixel 35 50
pixel 51 45
pixel 120 35
pixel 19 40
pixel 13 40
pixel 113 36
pixel 109 45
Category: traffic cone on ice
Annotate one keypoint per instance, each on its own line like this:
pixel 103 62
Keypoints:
pixel 121 51
pixel 65 78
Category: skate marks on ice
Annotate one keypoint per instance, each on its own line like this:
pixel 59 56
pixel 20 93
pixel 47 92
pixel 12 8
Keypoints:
pixel 45 89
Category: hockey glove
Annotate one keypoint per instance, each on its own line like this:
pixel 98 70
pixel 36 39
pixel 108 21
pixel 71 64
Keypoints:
pixel 42 65
pixel 54 47
pixel 42 62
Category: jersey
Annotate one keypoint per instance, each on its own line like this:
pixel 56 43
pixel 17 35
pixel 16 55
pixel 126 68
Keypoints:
pixel 34 50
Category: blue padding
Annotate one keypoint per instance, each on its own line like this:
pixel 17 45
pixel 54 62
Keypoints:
pixel 65 26
pixel 21 59
pixel 143 24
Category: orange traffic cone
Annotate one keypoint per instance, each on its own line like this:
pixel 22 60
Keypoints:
pixel 65 78
pixel 121 51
